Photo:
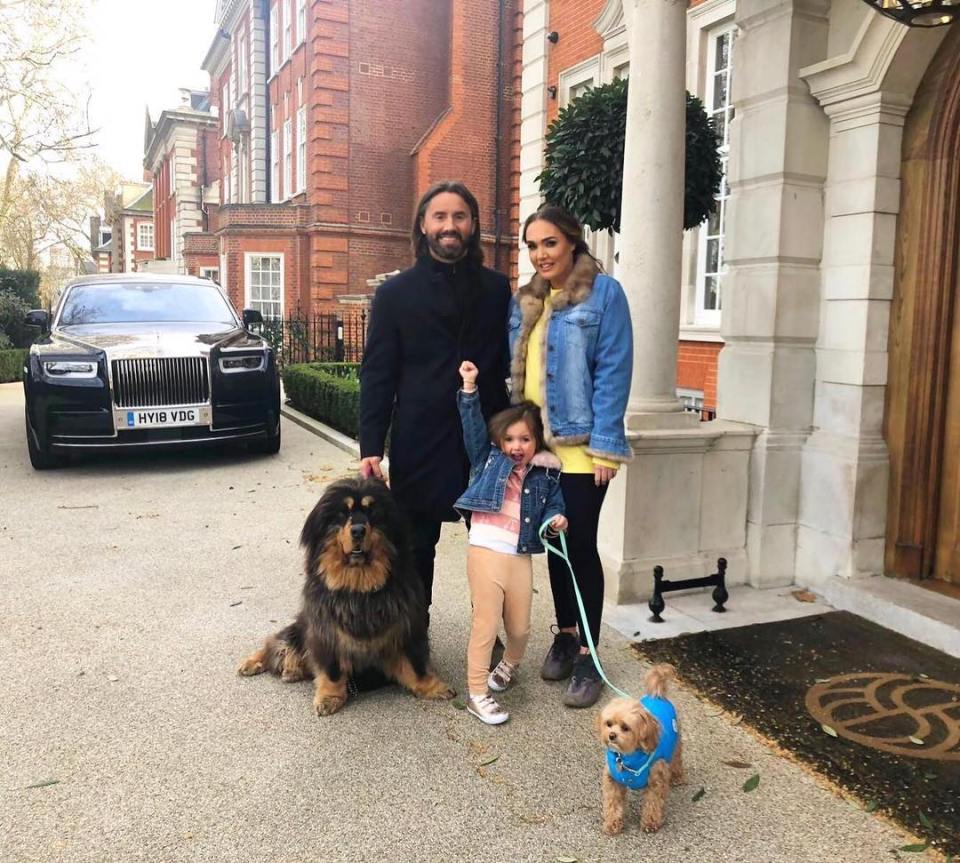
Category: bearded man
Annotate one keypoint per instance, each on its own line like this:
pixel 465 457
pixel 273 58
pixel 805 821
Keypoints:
pixel 424 322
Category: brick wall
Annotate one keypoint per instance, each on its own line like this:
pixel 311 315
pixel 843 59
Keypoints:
pixel 573 21
pixel 697 369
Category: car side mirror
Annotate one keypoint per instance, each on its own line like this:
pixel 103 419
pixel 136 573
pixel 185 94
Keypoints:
pixel 38 318
pixel 251 316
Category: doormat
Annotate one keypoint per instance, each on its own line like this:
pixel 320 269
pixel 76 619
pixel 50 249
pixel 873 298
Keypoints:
pixel 875 712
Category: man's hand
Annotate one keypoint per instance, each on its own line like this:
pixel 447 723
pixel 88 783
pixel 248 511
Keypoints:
pixel 602 475
pixel 370 467
pixel 469 372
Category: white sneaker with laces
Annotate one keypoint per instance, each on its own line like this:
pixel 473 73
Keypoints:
pixel 503 676
pixel 487 710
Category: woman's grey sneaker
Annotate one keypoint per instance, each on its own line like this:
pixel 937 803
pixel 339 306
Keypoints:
pixel 487 710
pixel 502 677
pixel 585 685
pixel 559 661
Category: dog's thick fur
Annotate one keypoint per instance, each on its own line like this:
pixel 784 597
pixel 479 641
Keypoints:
pixel 363 603
pixel 626 726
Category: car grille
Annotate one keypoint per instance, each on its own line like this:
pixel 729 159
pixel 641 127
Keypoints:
pixel 160 381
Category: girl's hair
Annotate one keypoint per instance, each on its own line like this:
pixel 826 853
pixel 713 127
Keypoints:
pixel 567 224
pixel 525 412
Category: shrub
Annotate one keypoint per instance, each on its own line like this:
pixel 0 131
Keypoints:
pixel 11 365
pixel 583 157
pixel 22 283
pixel 13 310
pixel 329 392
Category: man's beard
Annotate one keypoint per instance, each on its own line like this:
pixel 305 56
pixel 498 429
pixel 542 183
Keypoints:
pixel 447 253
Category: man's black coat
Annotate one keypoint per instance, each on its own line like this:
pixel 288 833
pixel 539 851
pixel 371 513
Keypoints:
pixel 424 322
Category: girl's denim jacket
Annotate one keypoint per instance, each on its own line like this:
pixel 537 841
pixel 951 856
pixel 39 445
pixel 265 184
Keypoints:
pixel 541 498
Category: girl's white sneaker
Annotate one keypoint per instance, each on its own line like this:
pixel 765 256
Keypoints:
pixel 487 710
pixel 503 676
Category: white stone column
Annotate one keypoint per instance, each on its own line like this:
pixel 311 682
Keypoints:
pixel 533 115
pixel 651 232
pixel 778 163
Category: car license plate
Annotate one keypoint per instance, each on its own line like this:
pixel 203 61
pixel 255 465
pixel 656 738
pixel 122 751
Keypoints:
pixel 165 417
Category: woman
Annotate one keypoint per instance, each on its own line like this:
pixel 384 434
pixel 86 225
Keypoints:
pixel 572 354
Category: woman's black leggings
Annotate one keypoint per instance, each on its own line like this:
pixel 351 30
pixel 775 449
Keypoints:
pixel 583 499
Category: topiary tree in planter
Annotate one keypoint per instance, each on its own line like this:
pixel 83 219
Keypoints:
pixel 584 159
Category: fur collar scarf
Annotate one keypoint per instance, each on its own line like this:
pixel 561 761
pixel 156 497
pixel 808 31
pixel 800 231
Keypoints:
pixel 530 300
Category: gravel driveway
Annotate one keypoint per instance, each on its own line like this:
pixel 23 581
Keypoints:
pixel 131 586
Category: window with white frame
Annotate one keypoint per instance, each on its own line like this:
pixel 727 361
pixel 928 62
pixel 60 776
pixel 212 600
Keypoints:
pixel 302 148
pixel 710 257
pixel 302 20
pixel 145 236
pixel 275 158
pixel 264 278
pixel 287 158
pixel 274 38
pixel 287 29
pixel 211 273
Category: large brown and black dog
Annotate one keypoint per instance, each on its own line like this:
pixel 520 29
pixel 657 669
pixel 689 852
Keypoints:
pixel 363 604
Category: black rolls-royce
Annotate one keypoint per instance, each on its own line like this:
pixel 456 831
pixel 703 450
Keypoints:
pixel 134 360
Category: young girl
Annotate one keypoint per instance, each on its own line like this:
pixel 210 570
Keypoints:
pixel 514 488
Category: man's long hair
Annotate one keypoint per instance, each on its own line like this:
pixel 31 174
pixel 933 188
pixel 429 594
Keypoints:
pixel 419 240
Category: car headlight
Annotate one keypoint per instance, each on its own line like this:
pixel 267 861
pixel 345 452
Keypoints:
pixel 70 369
pixel 229 365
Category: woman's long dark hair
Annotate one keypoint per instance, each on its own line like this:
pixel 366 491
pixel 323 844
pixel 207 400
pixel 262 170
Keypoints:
pixel 567 224
pixel 419 240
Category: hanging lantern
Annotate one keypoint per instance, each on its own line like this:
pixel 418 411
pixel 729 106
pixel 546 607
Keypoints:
pixel 918 13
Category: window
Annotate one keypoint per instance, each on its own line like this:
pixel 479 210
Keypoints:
pixel 576 80
pixel 265 284
pixel 287 30
pixel 145 236
pixel 287 159
pixel 302 149
pixel 274 39
pixel 302 20
pixel 224 106
pixel 212 273
pixel 710 263
pixel 275 157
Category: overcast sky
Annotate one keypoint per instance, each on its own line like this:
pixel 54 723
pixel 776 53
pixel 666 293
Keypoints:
pixel 141 52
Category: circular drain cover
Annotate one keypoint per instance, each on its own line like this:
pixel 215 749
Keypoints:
pixel 899 713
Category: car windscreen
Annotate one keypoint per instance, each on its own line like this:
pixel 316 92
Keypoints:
pixel 146 303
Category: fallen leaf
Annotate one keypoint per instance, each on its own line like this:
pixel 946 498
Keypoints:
pixel 459 703
pixel 915 849
pixel 489 761
pixel 803 596
pixel 829 730
pixel 43 784
pixel 236 547
pixel 739 765
pixel 752 782
pixel 698 795
pixel 238 602
pixel 925 821
pixel 917 740
pixel 871 806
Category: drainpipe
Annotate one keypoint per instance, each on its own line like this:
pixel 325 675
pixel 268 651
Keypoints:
pixel 498 105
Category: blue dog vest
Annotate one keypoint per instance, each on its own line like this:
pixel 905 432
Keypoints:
pixel 633 770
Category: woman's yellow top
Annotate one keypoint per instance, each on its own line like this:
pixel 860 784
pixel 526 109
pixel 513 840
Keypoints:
pixel 573 458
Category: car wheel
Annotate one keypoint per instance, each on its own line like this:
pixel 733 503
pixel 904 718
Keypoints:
pixel 270 445
pixel 41 459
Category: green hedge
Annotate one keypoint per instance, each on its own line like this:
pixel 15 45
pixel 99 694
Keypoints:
pixel 11 365
pixel 329 392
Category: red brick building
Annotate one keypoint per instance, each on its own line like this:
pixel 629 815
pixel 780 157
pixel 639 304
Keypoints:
pixel 584 45
pixel 334 116
pixel 128 217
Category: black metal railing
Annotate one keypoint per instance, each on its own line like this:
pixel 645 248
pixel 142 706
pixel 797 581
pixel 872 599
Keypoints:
pixel 318 337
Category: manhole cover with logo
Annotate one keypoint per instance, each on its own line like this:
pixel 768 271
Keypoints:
pixel 913 716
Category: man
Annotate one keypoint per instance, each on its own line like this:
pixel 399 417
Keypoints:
pixel 424 322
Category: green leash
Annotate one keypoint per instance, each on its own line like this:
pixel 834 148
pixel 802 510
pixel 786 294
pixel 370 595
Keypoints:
pixel 565 557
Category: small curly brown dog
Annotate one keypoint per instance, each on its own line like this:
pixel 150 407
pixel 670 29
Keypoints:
pixel 363 604
pixel 644 753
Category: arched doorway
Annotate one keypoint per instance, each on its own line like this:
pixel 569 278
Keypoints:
pixel 922 422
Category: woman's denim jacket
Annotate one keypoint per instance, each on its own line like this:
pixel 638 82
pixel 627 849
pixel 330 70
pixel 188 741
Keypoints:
pixel 541 498
pixel 588 360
